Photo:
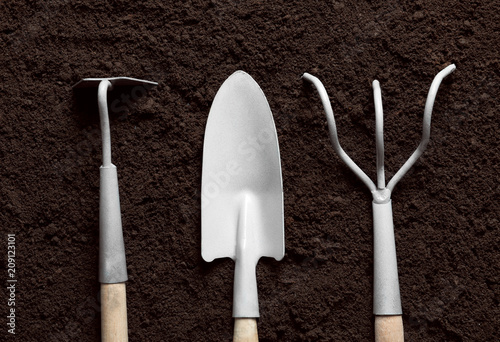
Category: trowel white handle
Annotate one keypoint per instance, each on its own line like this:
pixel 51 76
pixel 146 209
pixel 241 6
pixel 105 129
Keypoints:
pixel 114 313
pixel 245 330
pixel 245 297
pixel 389 329
pixel 245 300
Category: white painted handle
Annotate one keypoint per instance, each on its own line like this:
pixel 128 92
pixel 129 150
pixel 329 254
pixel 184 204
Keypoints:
pixel 112 260
pixel 386 298
pixel 245 297
pixel 114 313
pixel 245 330
pixel 389 329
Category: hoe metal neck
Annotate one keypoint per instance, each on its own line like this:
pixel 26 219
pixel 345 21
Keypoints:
pixel 102 100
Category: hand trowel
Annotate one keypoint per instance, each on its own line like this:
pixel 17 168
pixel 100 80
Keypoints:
pixel 242 192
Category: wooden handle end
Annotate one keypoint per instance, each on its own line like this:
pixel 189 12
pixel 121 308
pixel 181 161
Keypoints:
pixel 389 329
pixel 114 313
pixel 245 330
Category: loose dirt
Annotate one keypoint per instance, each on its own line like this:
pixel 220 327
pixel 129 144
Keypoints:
pixel 446 210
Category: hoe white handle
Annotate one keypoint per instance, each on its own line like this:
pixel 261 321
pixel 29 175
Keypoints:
pixel 114 313
pixel 245 330
pixel 389 329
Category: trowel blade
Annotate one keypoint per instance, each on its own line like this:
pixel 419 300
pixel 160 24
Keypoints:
pixel 242 192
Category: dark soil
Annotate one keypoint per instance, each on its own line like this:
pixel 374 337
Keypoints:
pixel 446 210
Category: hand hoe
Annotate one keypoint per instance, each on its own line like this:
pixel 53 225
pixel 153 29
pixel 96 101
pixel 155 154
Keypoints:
pixel 112 265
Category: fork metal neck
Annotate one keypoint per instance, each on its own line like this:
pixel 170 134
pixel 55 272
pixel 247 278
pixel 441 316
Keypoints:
pixel 381 196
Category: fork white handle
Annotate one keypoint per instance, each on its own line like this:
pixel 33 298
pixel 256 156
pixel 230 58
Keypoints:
pixel 386 297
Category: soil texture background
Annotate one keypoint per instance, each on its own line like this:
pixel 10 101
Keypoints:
pixel 446 209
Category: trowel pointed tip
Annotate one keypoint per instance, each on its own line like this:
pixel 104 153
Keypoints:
pixel 235 92
pixel 239 72
pixel 240 75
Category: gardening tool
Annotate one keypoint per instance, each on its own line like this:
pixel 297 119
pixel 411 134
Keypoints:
pixel 242 192
pixel 112 265
pixel 386 298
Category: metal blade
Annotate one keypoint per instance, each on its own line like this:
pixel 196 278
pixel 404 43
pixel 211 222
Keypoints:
pixel 242 192
pixel 115 81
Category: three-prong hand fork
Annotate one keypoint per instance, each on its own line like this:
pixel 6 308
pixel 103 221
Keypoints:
pixel 386 297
